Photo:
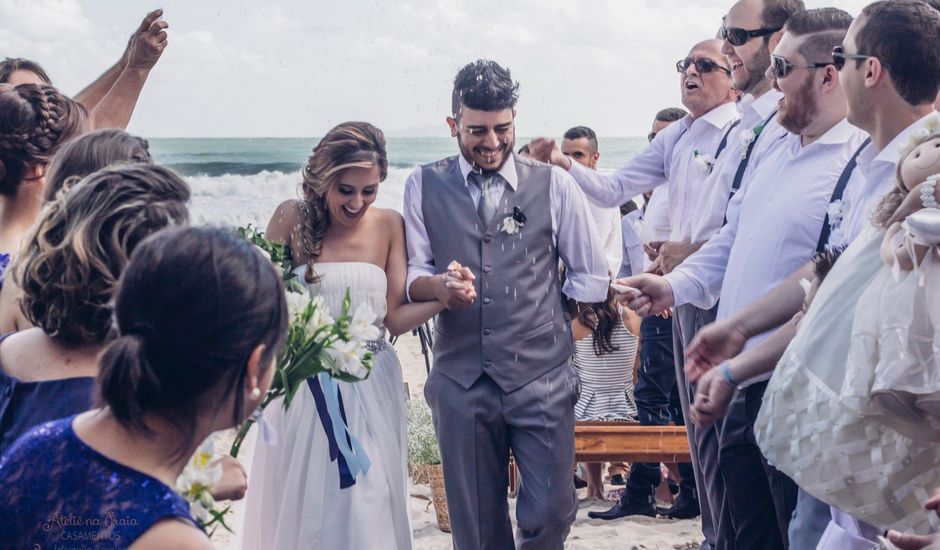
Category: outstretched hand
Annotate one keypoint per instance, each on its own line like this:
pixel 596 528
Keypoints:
pixel 146 45
pixel 654 294
pixel 712 397
pixel 546 150
pixel 712 345
pixel 906 541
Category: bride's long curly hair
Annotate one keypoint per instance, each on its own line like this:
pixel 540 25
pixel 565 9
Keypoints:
pixel 348 145
pixel 890 202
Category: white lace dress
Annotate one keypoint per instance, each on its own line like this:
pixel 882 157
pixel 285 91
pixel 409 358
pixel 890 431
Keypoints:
pixel 294 497
pixel 858 463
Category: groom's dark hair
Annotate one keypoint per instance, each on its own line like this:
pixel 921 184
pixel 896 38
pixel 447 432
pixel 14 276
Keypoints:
pixel 485 86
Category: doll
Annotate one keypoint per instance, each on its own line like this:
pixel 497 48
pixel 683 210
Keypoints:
pixel 894 358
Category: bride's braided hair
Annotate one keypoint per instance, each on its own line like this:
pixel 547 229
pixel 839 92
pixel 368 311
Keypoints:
pixel 349 145
pixel 36 121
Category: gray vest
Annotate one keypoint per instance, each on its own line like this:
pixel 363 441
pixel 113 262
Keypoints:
pixel 518 328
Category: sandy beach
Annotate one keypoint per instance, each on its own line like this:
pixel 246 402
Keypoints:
pixel 586 534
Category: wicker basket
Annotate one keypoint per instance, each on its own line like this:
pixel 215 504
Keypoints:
pixel 435 474
pixel 419 474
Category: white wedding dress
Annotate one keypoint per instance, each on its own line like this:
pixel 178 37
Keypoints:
pixel 294 497
pixel 855 461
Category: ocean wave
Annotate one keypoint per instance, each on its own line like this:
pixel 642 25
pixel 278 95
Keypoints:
pixel 239 199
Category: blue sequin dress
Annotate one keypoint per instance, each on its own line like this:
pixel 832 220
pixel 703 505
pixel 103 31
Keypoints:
pixel 60 493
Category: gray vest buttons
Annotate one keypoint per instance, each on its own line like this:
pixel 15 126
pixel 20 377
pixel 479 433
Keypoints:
pixel 487 238
pixel 487 269
pixel 487 301
pixel 487 332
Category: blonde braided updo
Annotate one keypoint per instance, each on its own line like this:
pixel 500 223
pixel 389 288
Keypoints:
pixel 349 145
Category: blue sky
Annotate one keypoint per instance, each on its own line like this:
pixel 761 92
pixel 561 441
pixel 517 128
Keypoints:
pixel 296 68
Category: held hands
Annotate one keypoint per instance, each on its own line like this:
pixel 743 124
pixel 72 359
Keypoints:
pixel 234 482
pixel 650 294
pixel 712 345
pixel 457 290
pixel 545 150
pixel 146 45
pixel 905 541
pixel 712 397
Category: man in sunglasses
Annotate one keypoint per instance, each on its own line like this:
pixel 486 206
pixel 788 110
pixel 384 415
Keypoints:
pixel 888 85
pixel 773 232
pixel 676 163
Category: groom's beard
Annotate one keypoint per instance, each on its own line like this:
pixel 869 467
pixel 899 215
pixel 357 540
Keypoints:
pixel 476 156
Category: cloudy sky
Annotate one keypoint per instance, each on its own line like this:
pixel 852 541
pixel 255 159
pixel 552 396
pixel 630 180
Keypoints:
pixel 294 68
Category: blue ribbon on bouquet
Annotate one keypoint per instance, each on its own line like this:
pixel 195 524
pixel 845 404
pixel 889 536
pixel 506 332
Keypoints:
pixel 345 449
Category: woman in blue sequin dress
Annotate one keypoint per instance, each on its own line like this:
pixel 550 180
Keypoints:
pixel 200 315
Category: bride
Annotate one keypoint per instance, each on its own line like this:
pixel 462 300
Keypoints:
pixel 298 497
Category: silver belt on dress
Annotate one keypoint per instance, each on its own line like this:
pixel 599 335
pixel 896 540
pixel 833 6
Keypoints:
pixel 377 345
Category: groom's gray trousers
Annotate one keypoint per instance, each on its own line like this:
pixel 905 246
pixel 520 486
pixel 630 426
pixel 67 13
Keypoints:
pixel 477 427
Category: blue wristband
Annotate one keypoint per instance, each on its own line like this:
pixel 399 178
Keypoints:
pixel 729 376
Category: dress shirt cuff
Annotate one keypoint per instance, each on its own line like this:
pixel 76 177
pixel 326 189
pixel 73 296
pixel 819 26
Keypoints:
pixel 585 287
pixel 686 291
pixel 413 273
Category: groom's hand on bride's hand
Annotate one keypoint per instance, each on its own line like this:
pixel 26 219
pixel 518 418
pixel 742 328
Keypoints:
pixel 457 290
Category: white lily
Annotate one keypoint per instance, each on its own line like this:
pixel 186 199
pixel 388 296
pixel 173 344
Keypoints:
pixel 362 326
pixel 348 358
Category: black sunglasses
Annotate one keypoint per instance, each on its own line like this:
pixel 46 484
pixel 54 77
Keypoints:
pixel 737 36
pixel 702 65
pixel 781 67
pixel 651 136
pixel 839 56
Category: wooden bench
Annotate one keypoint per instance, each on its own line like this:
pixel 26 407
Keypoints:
pixel 598 441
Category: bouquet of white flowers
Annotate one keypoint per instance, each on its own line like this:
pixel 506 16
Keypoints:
pixel 195 483
pixel 316 341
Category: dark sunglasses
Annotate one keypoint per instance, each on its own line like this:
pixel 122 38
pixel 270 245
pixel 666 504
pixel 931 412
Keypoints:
pixel 651 136
pixel 781 67
pixel 736 36
pixel 839 56
pixel 702 65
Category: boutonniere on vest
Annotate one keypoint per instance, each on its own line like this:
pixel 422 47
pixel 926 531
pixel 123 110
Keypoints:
pixel 512 223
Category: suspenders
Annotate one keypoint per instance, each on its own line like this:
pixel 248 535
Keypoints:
pixel 837 195
pixel 742 166
pixel 724 140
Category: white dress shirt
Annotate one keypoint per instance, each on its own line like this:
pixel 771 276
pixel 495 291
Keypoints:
pixel 755 112
pixel 607 223
pixel 776 230
pixel 573 230
pixel 671 159
pixel 633 257
pixel 874 178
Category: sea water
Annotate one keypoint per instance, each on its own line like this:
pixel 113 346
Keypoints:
pixel 237 181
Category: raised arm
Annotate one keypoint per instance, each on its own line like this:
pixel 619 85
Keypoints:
pixel 114 105
pixel 644 172
pixel 402 316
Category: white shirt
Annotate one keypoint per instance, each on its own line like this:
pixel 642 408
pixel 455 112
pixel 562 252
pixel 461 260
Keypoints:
pixel 670 158
pixel 777 228
pixel 572 230
pixel 607 223
pixel 633 257
pixel 755 112
pixel 874 178
pixel 656 224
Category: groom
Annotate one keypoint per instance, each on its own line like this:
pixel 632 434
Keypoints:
pixel 485 231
